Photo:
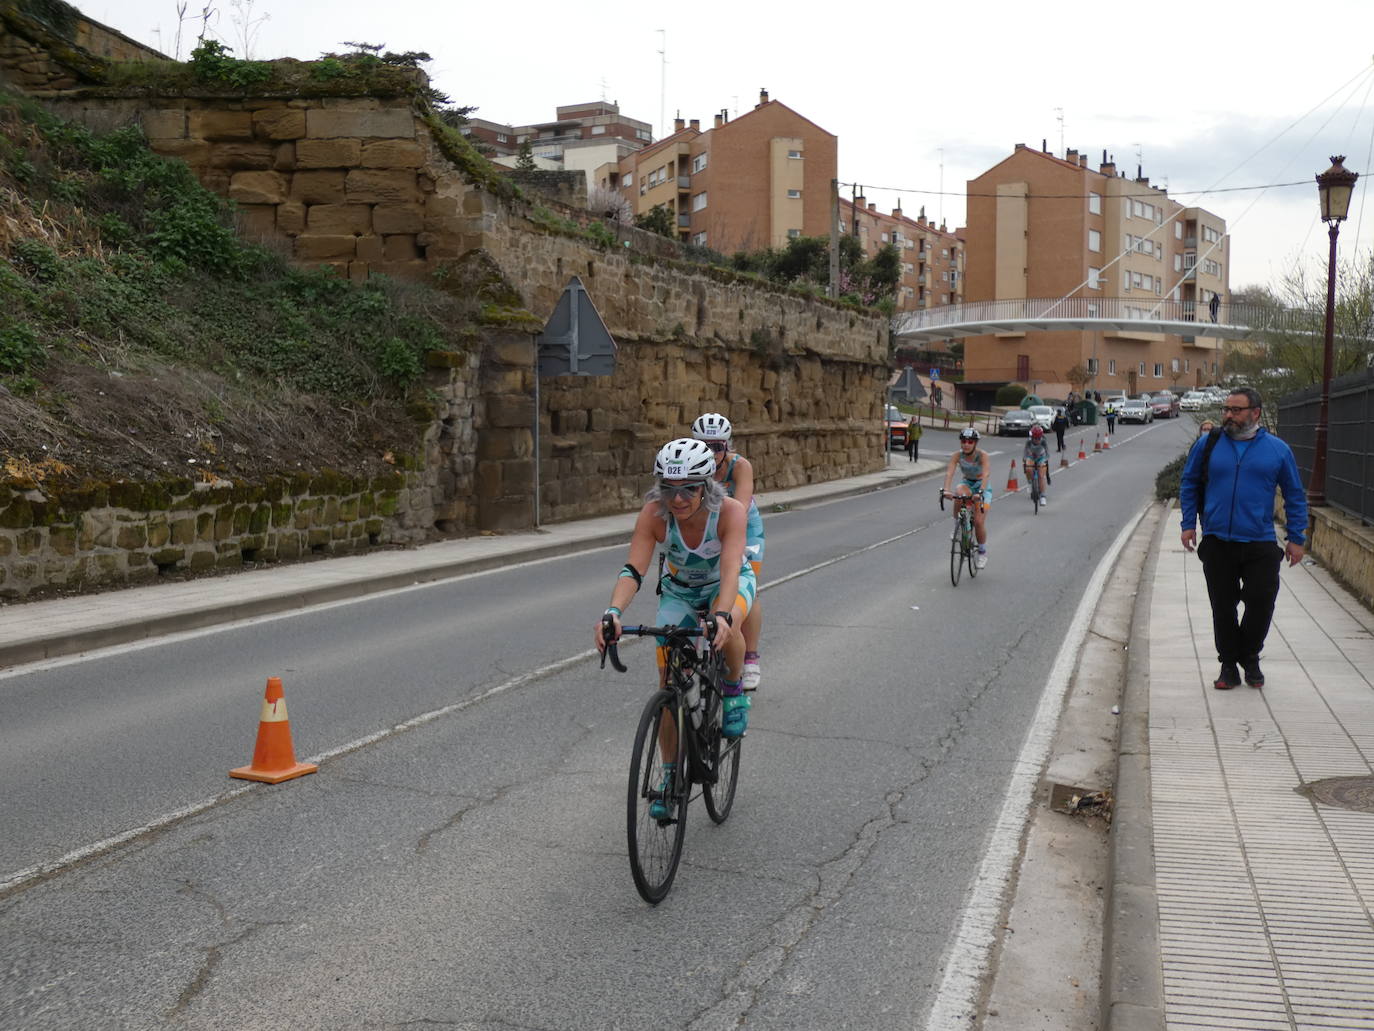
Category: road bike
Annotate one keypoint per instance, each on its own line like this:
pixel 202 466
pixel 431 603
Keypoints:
pixel 656 802
pixel 1033 481
pixel 963 546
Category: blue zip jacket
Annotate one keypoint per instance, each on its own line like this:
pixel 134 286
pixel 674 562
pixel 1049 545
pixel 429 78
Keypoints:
pixel 1241 477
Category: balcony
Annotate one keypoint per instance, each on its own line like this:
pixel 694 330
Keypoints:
pixel 684 221
pixel 684 182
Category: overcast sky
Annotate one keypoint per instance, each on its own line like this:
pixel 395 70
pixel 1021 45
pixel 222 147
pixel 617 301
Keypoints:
pixel 1220 94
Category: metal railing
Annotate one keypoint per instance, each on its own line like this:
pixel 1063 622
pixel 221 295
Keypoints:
pixel 1349 439
pixel 1143 308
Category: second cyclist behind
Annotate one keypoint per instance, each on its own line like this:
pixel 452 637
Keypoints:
pixel 974 469
pixel 1035 460
pixel 736 475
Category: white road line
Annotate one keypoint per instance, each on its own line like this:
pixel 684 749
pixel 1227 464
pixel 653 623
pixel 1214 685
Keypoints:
pixel 21 877
pixel 966 962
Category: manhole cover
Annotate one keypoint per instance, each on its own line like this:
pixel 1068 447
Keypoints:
pixel 1355 793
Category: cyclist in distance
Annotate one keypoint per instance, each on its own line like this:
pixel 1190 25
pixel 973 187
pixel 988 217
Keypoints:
pixel 1035 460
pixel 736 475
pixel 974 467
pixel 703 534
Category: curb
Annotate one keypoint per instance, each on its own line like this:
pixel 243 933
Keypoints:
pixel 128 628
pixel 1132 977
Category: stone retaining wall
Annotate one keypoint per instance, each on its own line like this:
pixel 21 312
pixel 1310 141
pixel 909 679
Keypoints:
pixel 126 533
pixel 1346 548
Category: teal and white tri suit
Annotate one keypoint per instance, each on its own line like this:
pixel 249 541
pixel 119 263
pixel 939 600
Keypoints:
pixel 753 540
pixel 1036 453
pixel 692 578
pixel 971 470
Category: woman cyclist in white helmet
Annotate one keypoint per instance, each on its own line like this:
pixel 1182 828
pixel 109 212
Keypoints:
pixel 974 469
pixel 736 475
pixel 702 531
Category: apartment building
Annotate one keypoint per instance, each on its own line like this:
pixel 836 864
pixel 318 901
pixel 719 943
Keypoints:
pixel 746 183
pixel 932 257
pixel 591 137
pixel 1042 226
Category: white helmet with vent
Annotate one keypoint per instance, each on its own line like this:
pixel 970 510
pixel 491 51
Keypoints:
pixel 711 426
pixel 684 459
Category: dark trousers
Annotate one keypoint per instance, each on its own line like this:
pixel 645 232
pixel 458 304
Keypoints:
pixel 1059 436
pixel 1240 572
pixel 1111 424
pixel 913 445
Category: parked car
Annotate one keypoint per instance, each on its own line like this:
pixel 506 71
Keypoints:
pixel 1018 421
pixel 1195 401
pixel 1044 414
pixel 1164 405
pixel 1135 410
pixel 896 427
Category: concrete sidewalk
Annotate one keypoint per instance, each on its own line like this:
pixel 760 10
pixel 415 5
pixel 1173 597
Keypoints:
pixel 30 631
pixel 1262 868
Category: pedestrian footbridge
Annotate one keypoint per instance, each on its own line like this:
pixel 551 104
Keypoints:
pixel 1232 321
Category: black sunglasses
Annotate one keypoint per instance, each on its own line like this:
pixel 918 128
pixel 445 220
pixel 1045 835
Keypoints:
pixel 717 445
pixel 673 491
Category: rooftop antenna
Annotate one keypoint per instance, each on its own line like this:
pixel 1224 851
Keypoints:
pixel 1059 116
pixel 735 98
pixel 603 88
pixel 1139 159
pixel 942 185
pixel 663 84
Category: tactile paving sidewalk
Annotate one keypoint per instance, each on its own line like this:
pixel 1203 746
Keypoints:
pixel 1266 897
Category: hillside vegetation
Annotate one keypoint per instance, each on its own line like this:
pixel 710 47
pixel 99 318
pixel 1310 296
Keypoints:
pixel 140 337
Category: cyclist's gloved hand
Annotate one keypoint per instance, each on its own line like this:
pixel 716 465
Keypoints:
pixel 718 626
pixel 607 630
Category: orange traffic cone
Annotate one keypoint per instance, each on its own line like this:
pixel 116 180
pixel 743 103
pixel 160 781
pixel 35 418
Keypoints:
pixel 274 760
pixel 1063 462
pixel 1097 444
pixel 1011 477
pixel 1106 441
pixel 1082 455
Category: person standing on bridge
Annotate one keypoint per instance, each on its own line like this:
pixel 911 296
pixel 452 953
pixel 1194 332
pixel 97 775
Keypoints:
pixel 1229 480
pixel 1214 305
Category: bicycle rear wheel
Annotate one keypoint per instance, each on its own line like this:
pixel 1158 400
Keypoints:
pixel 655 845
pixel 956 553
pixel 724 756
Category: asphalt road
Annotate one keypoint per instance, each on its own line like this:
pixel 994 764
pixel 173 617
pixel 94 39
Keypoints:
pixel 469 871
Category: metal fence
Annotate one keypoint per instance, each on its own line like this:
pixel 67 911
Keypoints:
pixel 1349 439
pixel 1143 309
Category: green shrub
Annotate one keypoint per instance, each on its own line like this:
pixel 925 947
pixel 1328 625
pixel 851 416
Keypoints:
pixel 19 347
pixel 1010 394
pixel 1167 481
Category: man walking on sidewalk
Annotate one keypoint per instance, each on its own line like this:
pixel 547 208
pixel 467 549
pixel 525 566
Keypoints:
pixel 1229 480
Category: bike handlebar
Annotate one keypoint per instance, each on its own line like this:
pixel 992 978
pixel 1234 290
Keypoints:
pixel 680 633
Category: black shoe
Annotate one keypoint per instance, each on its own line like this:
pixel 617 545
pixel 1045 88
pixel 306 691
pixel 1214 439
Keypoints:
pixel 1254 676
pixel 1228 678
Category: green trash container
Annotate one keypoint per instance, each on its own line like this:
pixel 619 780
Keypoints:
pixel 1030 399
pixel 1087 413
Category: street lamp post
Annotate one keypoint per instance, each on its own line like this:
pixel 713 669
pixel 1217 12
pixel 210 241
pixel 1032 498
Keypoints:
pixel 1334 186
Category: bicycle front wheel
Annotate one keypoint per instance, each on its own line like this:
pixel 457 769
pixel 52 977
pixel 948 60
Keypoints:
pixel 655 837
pixel 956 554
pixel 724 755
pixel 971 554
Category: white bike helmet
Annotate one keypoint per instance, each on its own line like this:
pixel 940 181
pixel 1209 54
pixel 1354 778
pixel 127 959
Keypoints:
pixel 685 459
pixel 711 426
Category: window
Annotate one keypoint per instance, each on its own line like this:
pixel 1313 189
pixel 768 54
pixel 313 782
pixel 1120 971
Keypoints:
pixel 1111 366
pixel 698 162
pixel 1211 267
pixel 598 130
pixel 793 234
pixel 502 138
pixel 1094 279
pixel 699 239
pixel 1142 368
pixel 882 236
pixel 796 195
pixel 643 134
pixel 1173 365
pixel 1159 370
pixel 1094 240
pixel 1094 203
pixel 1092 366
pixel 1186 363
pixel 795 155
pixel 1178 263
pixel 699 201
pixel 1178 230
